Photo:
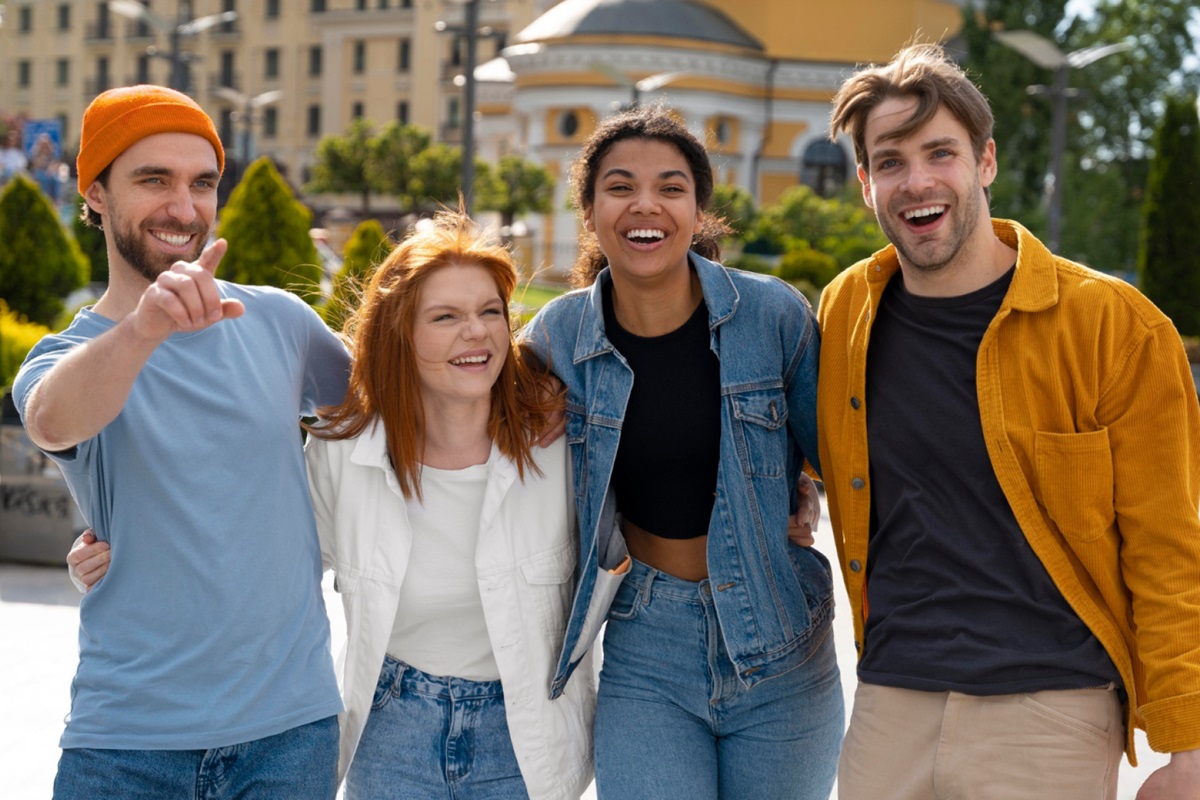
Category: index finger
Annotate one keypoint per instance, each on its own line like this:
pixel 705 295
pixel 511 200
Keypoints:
pixel 211 255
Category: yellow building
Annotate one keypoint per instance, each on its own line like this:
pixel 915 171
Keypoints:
pixel 753 78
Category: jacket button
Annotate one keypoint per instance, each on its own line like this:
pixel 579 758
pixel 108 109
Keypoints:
pixel 854 403
pixel 725 586
pixel 858 645
pixel 858 483
pixel 855 565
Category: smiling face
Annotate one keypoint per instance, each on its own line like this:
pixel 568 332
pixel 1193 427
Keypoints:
pixel 461 336
pixel 644 211
pixel 160 201
pixel 927 188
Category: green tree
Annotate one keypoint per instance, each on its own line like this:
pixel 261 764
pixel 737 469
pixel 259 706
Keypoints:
pixel 802 219
pixel 267 230
pixel 736 205
pixel 40 263
pixel 437 178
pixel 341 163
pixel 368 246
pixel 1170 241
pixel 515 187
pixel 17 337
pixel 91 242
pixel 392 153
pixel 1111 120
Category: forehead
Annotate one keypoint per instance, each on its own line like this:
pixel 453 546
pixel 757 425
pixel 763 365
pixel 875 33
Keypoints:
pixel 895 111
pixel 456 280
pixel 185 153
pixel 635 155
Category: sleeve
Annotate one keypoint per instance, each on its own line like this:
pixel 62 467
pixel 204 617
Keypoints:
pixel 44 356
pixel 1153 427
pixel 535 337
pixel 321 489
pixel 800 380
pixel 326 365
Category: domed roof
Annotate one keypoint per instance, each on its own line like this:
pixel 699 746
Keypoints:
pixel 677 19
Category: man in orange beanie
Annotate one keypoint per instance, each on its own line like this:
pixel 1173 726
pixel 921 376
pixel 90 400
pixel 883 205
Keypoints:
pixel 171 406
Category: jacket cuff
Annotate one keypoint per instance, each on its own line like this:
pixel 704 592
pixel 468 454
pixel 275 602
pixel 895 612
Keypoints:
pixel 1173 724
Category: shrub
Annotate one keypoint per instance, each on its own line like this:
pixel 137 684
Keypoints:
pixel 17 337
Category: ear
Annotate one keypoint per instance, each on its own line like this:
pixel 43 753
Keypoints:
pixel 95 197
pixel 588 224
pixel 865 181
pixel 987 164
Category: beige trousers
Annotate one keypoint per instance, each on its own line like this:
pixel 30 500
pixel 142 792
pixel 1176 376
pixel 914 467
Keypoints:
pixel 910 745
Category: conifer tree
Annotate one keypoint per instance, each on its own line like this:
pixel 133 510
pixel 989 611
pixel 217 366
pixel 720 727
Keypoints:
pixel 40 263
pixel 1169 249
pixel 268 234
pixel 367 247
pixel 91 242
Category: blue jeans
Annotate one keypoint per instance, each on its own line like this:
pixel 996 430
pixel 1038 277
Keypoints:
pixel 674 721
pixel 299 763
pixel 434 737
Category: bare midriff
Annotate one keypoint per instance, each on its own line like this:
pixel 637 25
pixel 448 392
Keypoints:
pixel 683 558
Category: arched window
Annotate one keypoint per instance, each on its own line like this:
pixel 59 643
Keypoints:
pixel 823 167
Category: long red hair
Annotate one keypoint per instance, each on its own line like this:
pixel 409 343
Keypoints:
pixel 384 381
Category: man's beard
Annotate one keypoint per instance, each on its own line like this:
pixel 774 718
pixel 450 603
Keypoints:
pixel 133 248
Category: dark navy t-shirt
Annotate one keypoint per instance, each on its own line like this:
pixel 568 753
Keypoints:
pixel 957 599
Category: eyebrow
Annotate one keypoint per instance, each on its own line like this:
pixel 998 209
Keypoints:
pixel 662 176
pixel 154 170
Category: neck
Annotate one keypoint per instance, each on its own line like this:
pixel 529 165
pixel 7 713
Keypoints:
pixel 456 435
pixel 981 260
pixel 125 289
pixel 655 307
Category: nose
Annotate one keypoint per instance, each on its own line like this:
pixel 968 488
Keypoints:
pixel 644 202
pixel 917 178
pixel 476 329
pixel 181 205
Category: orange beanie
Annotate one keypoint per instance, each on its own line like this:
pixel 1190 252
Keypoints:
pixel 120 117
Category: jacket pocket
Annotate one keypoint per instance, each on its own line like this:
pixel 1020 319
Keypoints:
pixel 549 578
pixel 1075 475
pixel 760 436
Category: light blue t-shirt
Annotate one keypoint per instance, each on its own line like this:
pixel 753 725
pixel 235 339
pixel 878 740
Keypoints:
pixel 209 628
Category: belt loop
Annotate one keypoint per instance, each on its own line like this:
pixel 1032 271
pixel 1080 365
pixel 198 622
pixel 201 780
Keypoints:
pixel 647 589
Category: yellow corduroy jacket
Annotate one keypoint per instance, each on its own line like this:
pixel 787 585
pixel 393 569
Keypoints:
pixel 1091 421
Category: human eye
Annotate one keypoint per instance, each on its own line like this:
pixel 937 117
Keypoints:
pixel 887 163
pixel 204 184
pixel 494 312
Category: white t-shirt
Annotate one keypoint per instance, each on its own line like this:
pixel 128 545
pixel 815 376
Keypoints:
pixel 440 628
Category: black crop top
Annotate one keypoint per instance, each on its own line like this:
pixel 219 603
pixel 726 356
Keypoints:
pixel 665 475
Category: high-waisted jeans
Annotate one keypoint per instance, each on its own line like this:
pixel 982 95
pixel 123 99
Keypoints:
pixel 434 737
pixel 674 721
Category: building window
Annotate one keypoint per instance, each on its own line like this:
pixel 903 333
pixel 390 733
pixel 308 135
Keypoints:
pixel 568 124
pixel 314 120
pixel 314 61
pixel 24 19
pixel 271 63
pixel 64 16
pixel 317 6
pixel 383 4
pixel 361 5
pixel 824 167
pixel 454 113
pixel 225 127
pixel 270 123
pixel 101 73
pixel 272 9
pixel 102 31
pixel 402 112
pixel 360 57
pixel 62 72
pixel 404 55
pixel 406 3
pixel 143 69
pixel 24 73
pixel 228 76
pixel 228 27
pixel 356 111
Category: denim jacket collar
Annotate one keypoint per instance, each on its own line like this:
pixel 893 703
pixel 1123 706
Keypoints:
pixel 720 295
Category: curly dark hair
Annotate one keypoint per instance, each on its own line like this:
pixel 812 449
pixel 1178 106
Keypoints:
pixel 647 122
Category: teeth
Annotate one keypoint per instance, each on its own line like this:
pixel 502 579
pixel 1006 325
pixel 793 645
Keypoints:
pixel 177 239
pixel 645 233
pixel 469 360
pixel 924 212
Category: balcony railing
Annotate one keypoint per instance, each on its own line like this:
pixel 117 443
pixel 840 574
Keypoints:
pixel 99 32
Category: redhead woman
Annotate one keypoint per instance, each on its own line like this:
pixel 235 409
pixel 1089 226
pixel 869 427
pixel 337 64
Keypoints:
pixel 691 395
pixel 451 537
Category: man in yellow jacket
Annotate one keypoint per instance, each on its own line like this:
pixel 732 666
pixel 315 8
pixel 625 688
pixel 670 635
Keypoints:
pixel 1011 453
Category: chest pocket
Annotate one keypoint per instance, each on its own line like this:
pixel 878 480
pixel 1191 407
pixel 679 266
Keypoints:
pixel 549 587
pixel 761 436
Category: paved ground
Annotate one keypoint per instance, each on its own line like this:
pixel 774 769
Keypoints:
pixel 38 617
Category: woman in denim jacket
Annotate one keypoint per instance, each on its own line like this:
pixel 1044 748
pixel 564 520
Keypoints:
pixel 691 395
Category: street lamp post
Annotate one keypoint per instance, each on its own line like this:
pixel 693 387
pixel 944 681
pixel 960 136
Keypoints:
pixel 1046 54
pixel 247 115
pixel 471 32
pixel 176 31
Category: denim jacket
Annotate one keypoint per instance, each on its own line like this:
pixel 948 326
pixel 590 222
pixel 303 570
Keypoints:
pixel 773 598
